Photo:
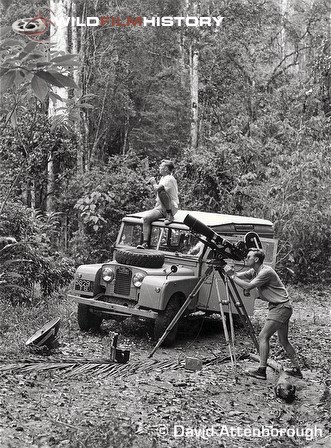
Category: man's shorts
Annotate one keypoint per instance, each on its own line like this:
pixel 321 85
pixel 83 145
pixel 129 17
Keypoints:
pixel 280 313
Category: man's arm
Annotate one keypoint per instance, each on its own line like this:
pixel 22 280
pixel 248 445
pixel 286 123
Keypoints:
pixel 152 181
pixel 243 283
pixel 261 279
pixel 157 187
pixel 240 278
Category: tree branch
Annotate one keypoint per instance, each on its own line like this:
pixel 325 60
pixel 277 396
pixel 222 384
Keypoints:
pixel 275 74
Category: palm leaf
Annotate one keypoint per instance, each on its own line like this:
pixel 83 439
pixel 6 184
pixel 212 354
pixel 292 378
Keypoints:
pixel 76 367
pixel 100 368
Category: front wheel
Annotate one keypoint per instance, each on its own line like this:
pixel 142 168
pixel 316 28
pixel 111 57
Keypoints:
pixel 164 319
pixel 86 319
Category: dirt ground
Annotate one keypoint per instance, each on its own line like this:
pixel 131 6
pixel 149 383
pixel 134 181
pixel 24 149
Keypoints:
pixel 156 402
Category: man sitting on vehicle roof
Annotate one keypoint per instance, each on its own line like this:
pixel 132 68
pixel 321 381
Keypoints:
pixel 166 200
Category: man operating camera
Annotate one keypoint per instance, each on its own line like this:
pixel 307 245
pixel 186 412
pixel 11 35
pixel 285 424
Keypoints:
pixel 271 290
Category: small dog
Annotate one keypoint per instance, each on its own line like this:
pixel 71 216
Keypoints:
pixel 284 388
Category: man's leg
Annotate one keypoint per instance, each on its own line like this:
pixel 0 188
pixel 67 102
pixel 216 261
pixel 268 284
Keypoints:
pixel 270 327
pixel 288 347
pixel 166 202
pixel 151 216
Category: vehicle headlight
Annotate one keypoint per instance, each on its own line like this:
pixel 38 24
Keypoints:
pixel 137 279
pixel 108 275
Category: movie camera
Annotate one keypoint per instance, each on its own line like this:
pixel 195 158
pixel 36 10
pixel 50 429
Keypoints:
pixel 222 247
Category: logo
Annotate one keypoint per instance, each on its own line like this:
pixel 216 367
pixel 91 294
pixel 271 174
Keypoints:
pixel 167 21
pixel 34 28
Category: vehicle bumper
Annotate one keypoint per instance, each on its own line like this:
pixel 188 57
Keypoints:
pixel 114 309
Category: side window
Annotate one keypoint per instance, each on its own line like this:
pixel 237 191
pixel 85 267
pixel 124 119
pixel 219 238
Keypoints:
pixel 155 235
pixel 131 235
pixel 168 239
pixel 164 243
pixel 191 245
pixel 175 240
pixel 159 235
pixel 165 238
pixel 175 237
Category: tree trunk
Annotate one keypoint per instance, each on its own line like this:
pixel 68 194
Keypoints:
pixel 283 7
pixel 194 10
pixel 33 195
pixel 26 194
pixel 93 152
pixel 194 72
pixel 126 133
pixel 59 44
pixel 182 52
pixel 50 182
pixel 182 66
pixel 78 92
pixel 84 128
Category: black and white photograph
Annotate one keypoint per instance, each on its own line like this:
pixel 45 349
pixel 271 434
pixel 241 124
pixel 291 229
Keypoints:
pixel 165 223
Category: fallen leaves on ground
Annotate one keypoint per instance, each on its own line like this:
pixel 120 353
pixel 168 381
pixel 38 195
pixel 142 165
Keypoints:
pixel 157 402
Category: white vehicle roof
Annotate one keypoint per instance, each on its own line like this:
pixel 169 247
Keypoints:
pixel 213 219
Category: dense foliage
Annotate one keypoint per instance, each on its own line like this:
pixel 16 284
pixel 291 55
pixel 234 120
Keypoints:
pixel 264 127
pixel 34 260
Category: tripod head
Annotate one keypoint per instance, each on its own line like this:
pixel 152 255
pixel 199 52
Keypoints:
pixel 222 247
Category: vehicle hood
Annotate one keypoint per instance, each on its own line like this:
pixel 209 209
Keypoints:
pixel 165 270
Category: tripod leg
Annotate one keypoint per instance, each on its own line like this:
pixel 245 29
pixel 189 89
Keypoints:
pixel 243 309
pixel 240 307
pixel 230 312
pixel 225 329
pixel 182 309
pixel 246 321
pixel 231 323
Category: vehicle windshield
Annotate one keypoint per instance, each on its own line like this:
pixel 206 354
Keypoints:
pixel 162 238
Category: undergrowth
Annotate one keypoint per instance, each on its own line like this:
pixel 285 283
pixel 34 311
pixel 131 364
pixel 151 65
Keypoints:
pixel 18 323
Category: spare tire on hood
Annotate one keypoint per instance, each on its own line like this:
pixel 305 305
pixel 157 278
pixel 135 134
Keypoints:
pixel 144 258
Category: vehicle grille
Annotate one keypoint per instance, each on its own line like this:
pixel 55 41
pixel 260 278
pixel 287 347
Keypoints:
pixel 123 281
pixel 84 285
